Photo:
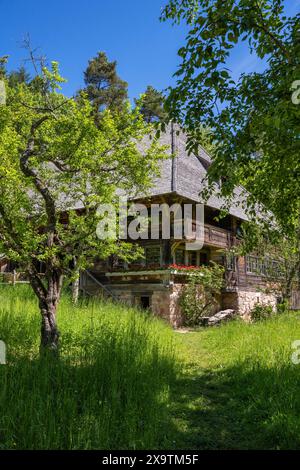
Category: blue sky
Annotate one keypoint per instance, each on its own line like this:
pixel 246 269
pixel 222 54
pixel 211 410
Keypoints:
pixel 129 31
pixel 72 31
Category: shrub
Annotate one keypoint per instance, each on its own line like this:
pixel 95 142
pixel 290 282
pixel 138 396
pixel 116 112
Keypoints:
pixel 199 296
pixel 283 307
pixel 261 312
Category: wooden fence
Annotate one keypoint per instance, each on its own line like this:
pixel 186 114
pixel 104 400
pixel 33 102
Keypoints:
pixel 13 278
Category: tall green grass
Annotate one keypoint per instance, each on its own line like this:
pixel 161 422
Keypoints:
pixel 117 383
pixel 109 388
pixel 240 387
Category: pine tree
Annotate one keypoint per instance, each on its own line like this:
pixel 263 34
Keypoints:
pixel 104 87
pixel 18 76
pixel 152 105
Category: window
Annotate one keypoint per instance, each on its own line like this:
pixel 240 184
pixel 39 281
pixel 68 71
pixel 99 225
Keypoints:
pixel 254 265
pixel 152 255
pixel 145 302
pixel 263 266
pixel 230 262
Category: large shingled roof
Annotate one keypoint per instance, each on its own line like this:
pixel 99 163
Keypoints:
pixel 184 175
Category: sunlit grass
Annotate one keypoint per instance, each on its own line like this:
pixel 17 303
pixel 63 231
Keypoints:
pixel 109 388
pixel 239 388
pixel 126 380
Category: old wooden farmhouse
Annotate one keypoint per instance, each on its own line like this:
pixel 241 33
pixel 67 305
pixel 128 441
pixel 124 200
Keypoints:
pixel 155 282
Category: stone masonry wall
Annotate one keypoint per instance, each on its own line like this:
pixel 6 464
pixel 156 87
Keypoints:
pixel 176 316
pixel 165 303
pixel 160 304
pixel 248 299
pixel 126 298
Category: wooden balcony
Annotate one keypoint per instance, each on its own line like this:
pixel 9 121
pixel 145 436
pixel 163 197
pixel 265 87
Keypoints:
pixel 218 237
pixel 215 236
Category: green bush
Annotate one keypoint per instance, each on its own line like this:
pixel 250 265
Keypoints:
pixel 283 307
pixel 200 295
pixel 261 312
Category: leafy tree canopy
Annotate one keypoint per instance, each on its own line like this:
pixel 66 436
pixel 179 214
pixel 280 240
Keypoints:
pixel 254 120
pixel 56 167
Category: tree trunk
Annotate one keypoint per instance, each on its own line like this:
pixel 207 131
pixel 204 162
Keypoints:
pixel 49 330
pixel 49 296
pixel 75 290
pixel 288 288
pixel 75 284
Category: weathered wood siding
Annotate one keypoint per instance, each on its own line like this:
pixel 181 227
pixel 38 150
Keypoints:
pixel 295 301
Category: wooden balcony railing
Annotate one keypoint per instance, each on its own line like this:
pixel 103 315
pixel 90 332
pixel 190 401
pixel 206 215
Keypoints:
pixel 215 236
pixel 218 237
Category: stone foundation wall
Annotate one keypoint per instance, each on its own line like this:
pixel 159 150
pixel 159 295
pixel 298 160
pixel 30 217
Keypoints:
pixel 165 302
pixel 248 299
pixel 176 316
pixel 243 301
pixel 230 300
pixel 160 304
pixel 126 298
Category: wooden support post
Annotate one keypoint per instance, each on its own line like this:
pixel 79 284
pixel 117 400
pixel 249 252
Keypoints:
pixel 75 284
pixel 166 252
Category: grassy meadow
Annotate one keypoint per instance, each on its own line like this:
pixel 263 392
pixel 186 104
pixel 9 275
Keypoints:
pixel 108 390
pixel 238 388
pixel 125 380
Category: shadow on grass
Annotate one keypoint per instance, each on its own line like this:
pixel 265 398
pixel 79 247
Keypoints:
pixel 240 407
pixel 111 395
